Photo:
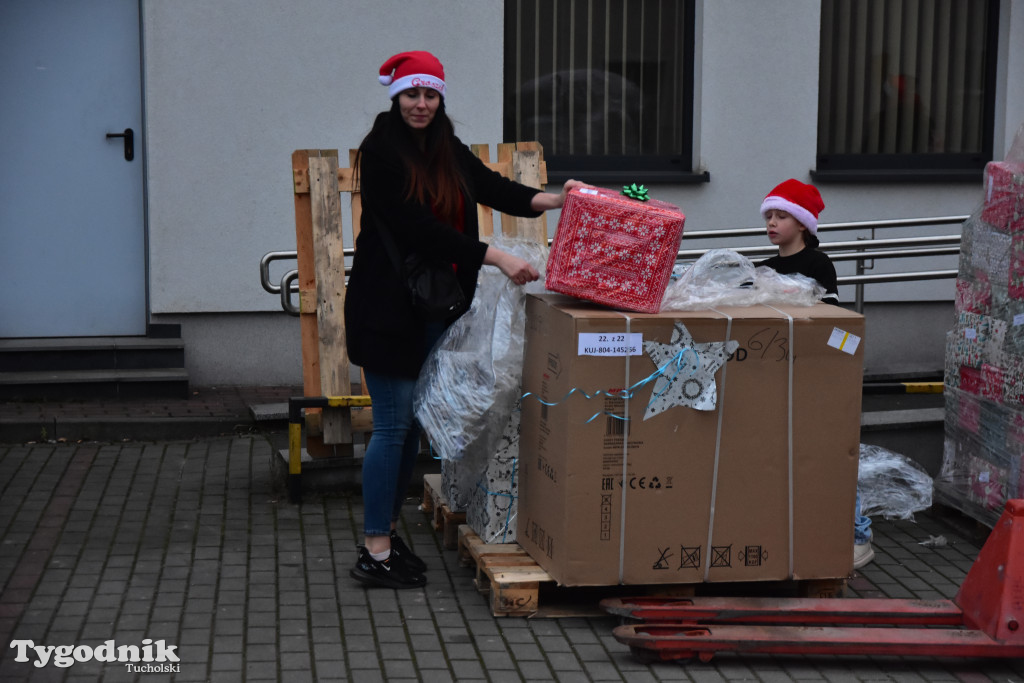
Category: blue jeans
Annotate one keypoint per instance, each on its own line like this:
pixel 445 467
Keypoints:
pixel 391 453
pixel 394 444
pixel 861 525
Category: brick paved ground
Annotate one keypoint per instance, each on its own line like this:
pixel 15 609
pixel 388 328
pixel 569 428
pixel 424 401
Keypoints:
pixel 187 542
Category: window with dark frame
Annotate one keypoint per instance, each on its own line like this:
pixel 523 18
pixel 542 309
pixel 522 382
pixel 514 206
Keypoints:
pixel 906 89
pixel 606 86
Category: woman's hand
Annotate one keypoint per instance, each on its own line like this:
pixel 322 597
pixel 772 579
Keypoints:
pixel 515 269
pixel 544 201
pixel 569 185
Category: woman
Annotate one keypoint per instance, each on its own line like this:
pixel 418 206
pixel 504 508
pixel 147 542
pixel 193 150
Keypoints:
pixel 420 184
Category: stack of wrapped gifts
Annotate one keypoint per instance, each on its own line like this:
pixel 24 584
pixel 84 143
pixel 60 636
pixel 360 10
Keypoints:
pixel 983 459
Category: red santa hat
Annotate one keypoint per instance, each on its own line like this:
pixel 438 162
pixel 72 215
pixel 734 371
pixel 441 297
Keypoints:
pixel 415 69
pixel 800 200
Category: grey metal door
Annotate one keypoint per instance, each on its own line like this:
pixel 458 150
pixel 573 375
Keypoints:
pixel 72 234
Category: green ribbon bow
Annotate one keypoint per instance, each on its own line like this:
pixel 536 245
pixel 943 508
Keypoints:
pixel 635 191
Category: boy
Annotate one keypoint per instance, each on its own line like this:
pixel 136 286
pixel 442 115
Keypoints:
pixel 791 213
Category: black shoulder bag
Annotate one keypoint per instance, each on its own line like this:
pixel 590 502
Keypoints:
pixel 434 289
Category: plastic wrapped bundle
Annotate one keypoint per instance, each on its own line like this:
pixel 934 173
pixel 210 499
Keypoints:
pixel 723 277
pixel 494 498
pixel 983 457
pixel 471 379
pixel 891 485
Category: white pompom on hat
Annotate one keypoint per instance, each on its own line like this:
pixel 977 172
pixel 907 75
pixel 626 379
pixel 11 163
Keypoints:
pixel 800 200
pixel 416 69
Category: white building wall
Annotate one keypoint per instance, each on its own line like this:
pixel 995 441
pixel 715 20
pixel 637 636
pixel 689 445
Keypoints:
pixel 234 86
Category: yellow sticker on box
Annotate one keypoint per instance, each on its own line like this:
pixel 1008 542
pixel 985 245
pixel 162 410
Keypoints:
pixel 844 341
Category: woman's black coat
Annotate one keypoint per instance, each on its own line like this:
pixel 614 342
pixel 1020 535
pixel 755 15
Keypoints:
pixel 382 333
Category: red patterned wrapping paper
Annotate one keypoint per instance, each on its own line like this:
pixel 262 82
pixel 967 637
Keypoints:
pixel 615 250
pixel 974 295
pixel 1004 196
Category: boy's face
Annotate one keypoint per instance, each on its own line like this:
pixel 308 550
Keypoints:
pixel 784 231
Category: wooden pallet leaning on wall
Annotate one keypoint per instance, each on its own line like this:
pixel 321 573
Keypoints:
pixel 318 181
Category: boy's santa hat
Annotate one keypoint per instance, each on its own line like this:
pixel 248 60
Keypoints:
pixel 415 69
pixel 800 200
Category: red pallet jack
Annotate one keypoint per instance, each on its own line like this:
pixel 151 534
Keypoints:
pixel 984 620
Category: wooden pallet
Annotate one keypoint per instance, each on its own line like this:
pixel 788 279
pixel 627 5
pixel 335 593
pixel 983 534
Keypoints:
pixel 504 572
pixel 446 521
pixel 516 585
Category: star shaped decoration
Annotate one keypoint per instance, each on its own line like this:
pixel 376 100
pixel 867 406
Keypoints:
pixel 686 371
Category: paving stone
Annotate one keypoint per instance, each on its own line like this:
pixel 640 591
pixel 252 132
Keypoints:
pixel 185 539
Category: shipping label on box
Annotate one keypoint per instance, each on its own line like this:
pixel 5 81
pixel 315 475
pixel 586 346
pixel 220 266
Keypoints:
pixel 698 488
pixel 614 250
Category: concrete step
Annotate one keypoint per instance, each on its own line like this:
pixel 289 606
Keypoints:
pixel 65 385
pixel 90 353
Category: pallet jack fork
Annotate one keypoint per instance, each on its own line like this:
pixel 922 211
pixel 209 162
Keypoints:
pixel 984 620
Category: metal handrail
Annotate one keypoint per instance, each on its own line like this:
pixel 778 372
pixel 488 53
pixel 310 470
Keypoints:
pixel 834 227
pixel 859 250
pixel 265 262
pixel 769 250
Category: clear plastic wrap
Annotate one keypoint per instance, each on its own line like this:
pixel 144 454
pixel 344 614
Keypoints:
pixel 983 455
pixel 472 377
pixel 723 277
pixel 891 485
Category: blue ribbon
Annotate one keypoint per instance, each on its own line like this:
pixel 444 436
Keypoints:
pixel 675 362
pixel 508 514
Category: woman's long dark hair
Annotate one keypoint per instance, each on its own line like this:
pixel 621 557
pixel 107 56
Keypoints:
pixel 434 177
pixel 811 240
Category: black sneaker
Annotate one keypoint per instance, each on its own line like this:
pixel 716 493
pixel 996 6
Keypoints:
pixel 387 574
pixel 406 556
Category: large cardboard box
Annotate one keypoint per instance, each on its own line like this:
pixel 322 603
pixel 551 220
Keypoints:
pixel 743 470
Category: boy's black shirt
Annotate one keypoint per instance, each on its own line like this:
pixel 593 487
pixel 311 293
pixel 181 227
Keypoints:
pixel 812 263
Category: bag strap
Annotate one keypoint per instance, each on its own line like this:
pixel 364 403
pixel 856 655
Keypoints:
pixel 388 239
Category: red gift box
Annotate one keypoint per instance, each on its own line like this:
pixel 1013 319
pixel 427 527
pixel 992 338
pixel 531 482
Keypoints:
pixel 615 250
pixel 992 380
pixel 974 296
pixel 1003 207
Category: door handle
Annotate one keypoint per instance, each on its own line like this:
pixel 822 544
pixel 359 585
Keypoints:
pixel 129 142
